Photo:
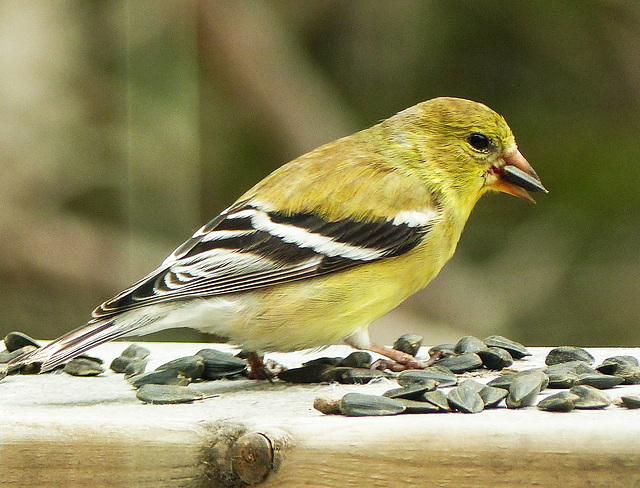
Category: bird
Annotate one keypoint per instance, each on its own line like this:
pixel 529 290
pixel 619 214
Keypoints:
pixel 327 243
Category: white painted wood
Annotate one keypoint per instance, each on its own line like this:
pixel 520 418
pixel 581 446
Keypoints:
pixel 59 430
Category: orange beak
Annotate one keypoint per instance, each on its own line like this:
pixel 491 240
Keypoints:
pixel 515 177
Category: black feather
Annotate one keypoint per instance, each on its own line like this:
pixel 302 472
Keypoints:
pixel 284 261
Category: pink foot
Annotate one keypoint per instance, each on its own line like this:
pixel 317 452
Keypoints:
pixel 399 360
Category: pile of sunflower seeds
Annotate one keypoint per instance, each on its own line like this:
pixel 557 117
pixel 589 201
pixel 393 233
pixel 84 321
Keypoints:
pixel 166 384
pixel 421 391
pixel 442 386
pixel 17 344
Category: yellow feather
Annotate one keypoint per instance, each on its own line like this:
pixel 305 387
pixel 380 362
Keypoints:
pixel 432 160
pixel 414 160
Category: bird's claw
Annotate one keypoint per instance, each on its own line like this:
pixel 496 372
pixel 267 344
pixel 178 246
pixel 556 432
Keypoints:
pixel 398 360
pixel 261 369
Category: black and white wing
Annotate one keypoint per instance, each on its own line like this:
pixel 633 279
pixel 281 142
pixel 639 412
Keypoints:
pixel 246 247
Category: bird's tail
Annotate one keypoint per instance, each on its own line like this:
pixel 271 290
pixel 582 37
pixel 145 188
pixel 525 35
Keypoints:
pixel 71 345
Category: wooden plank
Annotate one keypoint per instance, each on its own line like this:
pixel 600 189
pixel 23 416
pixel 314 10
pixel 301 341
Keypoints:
pixel 62 430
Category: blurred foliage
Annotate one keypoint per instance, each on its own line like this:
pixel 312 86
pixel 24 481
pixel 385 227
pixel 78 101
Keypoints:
pixel 126 124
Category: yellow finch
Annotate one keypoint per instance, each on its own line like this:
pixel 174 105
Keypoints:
pixel 327 243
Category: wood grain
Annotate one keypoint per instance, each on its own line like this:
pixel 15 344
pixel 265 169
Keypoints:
pixel 59 430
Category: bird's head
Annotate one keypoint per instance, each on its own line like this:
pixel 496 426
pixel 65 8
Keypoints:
pixel 475 148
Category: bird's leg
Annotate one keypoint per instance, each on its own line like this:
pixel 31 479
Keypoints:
pixel 261 369
pixel 257 369
pixel 400 360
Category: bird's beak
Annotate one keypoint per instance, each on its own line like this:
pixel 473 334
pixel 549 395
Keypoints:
pixel 515 177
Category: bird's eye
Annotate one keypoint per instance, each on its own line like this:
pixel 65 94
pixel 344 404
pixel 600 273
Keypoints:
pixel 478 141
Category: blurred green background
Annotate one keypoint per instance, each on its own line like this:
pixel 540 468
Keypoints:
pixel 125 125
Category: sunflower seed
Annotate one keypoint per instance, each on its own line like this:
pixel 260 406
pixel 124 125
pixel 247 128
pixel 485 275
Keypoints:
pixel 136 352
pixel 414 406
pixel 599 381
pixel 517 350
pixel 408 343
pixel 357 359
pixel 17 340
pixel 631 401
pixel 189 366
pixel 495 358
pixel 162 377
pixel 219 364
pixel 525 388
pixel 359 405
pixel 564 401
pixel 469 344
pixel 83 367
pixel 312 373
pixel 350 376
pixel 616 364
pixel 461 363
pixel 443 376
pixel 411 392
pixel 564 354
pixel 465 399
pixel 167 394
pixel 492 396
pixel 590 397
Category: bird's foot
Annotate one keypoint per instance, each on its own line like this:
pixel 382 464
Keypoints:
pixel 399 361
pixel 261 369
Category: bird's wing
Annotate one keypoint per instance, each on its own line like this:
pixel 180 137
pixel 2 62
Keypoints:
pixel 249 247
pixel 245 248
